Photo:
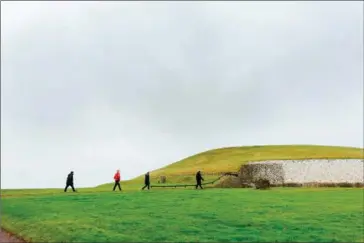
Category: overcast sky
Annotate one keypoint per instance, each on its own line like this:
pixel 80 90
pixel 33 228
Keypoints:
pixel 99 86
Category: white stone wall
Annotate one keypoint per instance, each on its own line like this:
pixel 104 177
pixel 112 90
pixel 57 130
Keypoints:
pixel 321 170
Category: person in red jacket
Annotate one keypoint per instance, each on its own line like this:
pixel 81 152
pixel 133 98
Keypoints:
pixel 117 180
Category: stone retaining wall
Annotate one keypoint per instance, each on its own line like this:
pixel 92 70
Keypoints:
pixel 304 171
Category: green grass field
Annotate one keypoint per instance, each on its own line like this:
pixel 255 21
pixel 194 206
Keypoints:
pixel 185 215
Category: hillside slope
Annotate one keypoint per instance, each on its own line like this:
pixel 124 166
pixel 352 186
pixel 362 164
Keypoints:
pixel 231 158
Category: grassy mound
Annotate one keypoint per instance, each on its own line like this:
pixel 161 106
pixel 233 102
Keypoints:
pixel 230 159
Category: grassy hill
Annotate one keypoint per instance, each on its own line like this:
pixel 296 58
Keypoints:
pixel 230 159
pixel 215 161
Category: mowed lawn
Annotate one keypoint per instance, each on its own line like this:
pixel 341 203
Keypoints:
pixel 181 215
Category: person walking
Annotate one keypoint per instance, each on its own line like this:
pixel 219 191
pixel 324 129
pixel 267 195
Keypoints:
pixel 146 181
pixel 69 182
pixel 117 180
pixel 199 179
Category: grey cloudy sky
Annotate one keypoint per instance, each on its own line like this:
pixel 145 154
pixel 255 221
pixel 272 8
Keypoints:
pixel 97 86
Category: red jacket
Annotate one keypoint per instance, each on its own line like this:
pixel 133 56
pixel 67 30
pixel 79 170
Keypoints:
pixel 117 176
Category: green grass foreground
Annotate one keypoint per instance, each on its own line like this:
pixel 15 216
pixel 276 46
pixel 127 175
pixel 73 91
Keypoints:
pixel 185 215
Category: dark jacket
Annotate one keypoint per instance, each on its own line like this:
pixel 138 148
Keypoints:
pixel 199 176
pixel 70 179
pixel 146 179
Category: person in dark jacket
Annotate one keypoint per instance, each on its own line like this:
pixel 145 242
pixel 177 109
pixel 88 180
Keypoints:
pixel 117 180
pixel 199 179
pixel 146 181
pixel 69 182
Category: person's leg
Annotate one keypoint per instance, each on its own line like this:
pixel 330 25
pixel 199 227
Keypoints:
pixel 73 188
pixel 148 186
pixel 65 189
pixel 200 185
pixel 114 186
pixel 119 186
pixel 144 186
